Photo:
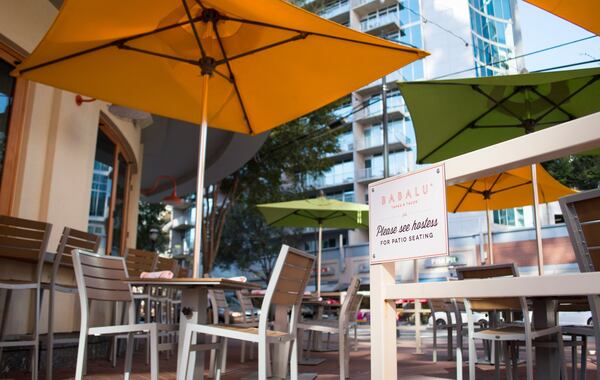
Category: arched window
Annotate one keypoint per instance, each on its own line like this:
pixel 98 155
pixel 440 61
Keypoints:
pixel 114 164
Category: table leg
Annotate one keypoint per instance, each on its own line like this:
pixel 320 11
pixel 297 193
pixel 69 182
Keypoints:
pixel 193 310
pixel 547 359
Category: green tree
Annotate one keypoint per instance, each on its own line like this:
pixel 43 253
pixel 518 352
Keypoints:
pixel 151 216
pixel 580 172
pixel 291 153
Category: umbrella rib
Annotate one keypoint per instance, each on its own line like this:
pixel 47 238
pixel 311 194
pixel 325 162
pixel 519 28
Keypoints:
pixel 260 23
pixel 501 102
pixel 587 84
pixel 511 187
pixel 464 196
pixel 191 22
pixel 553 104
pixel 226 60
pixel 161 55
pixel 232 78
pixel 118 42
pixel 470 125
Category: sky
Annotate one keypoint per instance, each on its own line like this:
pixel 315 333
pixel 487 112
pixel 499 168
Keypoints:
pixel 541 29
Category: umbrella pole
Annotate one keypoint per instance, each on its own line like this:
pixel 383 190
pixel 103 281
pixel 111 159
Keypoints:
pixel 319 260
pixel 200 178
pixel 536 218
pixel 489 234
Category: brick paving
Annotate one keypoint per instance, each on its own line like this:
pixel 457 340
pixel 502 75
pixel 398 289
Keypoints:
pixel 410 365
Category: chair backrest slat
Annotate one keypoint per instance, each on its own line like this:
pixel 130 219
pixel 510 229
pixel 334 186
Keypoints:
pixel 351 302
pixel 74 239
pixel 291 264
pixel 291 280
pixel 581 212
pixel 491 271
pixel 139 261
pixel 248 314
pixel 165 263
pixel 101 277
pixel 218 299
pixel 24 240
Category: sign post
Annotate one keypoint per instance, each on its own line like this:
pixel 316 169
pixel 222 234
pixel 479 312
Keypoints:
pixel 407 221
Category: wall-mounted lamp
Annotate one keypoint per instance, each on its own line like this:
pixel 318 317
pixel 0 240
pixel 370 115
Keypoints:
pixel 171 199
pixel 79 100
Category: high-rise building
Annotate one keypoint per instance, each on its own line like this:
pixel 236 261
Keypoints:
pixel 466 38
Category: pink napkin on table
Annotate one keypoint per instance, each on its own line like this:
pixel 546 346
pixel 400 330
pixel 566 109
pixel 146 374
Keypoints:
pixel 161 274
pixel 239 278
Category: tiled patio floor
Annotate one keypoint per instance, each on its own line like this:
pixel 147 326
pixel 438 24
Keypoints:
pixel 410 366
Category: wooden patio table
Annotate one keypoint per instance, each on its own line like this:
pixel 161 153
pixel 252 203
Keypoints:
pixel 194 304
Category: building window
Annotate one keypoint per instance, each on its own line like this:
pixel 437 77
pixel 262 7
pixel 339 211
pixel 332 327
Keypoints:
pixel 514 217
pixel 108 198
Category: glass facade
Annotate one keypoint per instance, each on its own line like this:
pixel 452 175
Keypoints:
pixel 492 34
pixel 338 174
pixel 514 217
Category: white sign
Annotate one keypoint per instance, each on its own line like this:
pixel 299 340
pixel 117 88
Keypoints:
pixel 407 216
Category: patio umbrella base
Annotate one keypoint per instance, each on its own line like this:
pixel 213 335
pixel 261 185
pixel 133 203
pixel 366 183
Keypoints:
pixel 310 361
pixel 301 376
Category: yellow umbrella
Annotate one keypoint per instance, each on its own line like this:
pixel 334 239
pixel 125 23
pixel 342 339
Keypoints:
pixel 581 12
pixel 508 189
pixel 265 62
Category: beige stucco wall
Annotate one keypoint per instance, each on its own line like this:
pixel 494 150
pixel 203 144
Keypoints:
pixel 57 157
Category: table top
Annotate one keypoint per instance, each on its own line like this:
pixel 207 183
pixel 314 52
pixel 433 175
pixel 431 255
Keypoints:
pixel 182 282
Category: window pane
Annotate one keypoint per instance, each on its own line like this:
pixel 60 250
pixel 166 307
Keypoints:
pixel 101 189
pixel 7 86
pixel 119 212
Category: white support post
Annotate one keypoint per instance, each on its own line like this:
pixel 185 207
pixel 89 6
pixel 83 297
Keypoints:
pixel 383 324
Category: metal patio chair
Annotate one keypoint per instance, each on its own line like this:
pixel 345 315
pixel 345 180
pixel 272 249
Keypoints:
pixel 25 241
pixel 511 336
pixel 286 289
pixel 136 261
pixel 102 278
pixel 250 316
pixel 453 324
pixel 71 239
pixel 341 326
pixel 581 212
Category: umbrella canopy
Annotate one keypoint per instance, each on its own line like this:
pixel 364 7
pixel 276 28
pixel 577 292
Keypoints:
pixel 508 189
pixel 316 212
pixel 266 62
pixel 474 113
pixel 581 12
pixel 270 61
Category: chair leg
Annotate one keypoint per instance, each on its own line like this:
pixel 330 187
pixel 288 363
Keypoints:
pixel 515 361
pixel 129 356
pixel 153 340
pixel 529 358
pixel 434 342
pixel 573 356
pixel 507 366
pixel 294 360
pixel 50 337
pixel 561 355
pixel 219 357
pixel 496 345
pixel 4 316
pixel 81 353
pixel 472 358
pixel 263 358
pixel 36 336
pixel 243 353
pixel 342 354
pixel 113 352
pixel 185 353
pixel 583 358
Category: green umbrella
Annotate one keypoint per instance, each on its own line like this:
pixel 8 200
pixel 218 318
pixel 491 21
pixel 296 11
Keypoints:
pixel 453 117
pixel 316 212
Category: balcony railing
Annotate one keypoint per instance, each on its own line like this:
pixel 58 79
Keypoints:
pixel 334 9
pixel 376 109
pixel 330 180
pixel 380 21
pixel 377 139
pixel 375 173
